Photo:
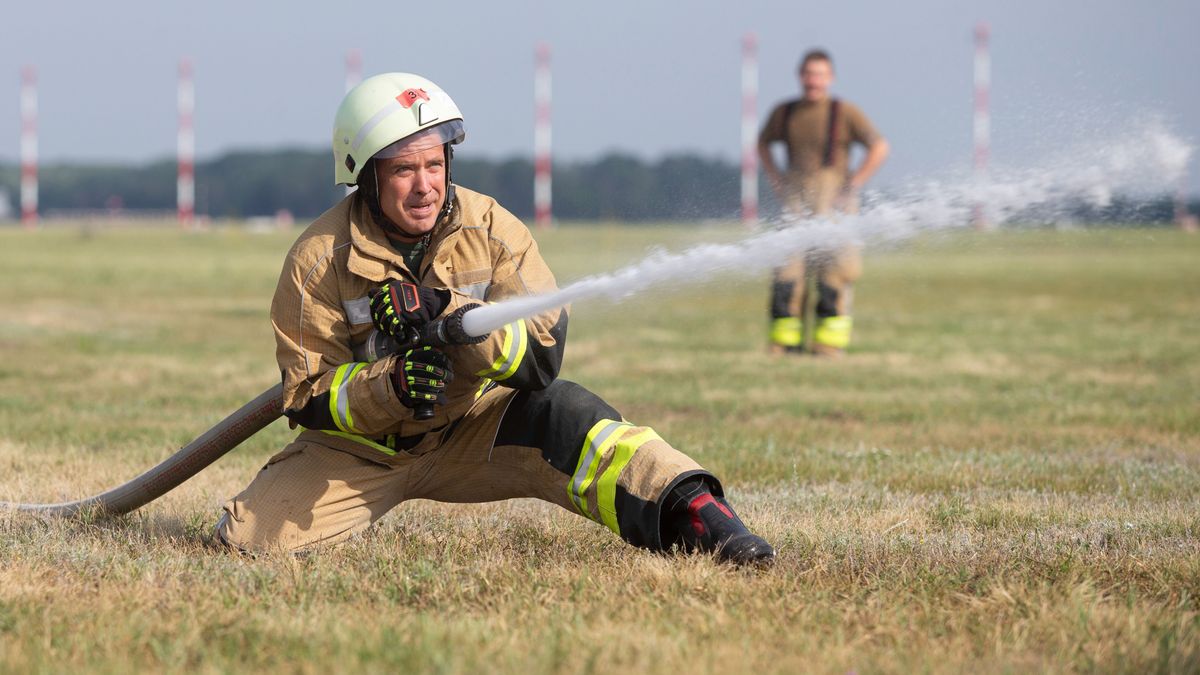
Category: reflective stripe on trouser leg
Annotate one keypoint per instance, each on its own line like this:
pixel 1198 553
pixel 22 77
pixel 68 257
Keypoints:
pixel 833 331
pixel 608 470
pixel 787 331
pixel 607 450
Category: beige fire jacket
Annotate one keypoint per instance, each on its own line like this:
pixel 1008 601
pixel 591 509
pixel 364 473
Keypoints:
pixel 480 251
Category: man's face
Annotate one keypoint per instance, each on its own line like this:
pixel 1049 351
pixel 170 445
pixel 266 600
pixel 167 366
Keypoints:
pixel 412 189
pixel 816 77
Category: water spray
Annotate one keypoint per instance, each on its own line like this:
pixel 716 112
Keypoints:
pixel 1146 160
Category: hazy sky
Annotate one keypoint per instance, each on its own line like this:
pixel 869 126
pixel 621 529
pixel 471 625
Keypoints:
pixel 643 77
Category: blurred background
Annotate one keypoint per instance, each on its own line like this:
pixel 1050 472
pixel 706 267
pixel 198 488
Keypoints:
pixel 647 97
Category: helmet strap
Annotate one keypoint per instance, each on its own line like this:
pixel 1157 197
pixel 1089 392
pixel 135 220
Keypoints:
pixel 371 193
pixel 449 204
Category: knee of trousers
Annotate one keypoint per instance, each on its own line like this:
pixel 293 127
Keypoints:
pixel 845 268
pixel 252 538
pixel 247 531
pixel 238 535
pixel 791 271
pixel 228 534
pixel 555 420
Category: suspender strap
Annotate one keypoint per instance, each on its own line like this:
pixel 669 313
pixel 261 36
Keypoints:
pixel 835 109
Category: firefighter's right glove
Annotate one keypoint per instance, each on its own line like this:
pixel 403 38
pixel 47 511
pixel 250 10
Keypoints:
pixel 400 306
pixel 420 376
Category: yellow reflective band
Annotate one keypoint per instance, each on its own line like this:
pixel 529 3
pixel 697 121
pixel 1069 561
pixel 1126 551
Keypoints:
pixel 602 435
pixel 606 487
pixel 512 352
pixel 359 439
pixel 787 331
pixel 339 396
pixel 833 331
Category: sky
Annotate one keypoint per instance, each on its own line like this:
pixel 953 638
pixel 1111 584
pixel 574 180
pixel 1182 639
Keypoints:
pixel 643 77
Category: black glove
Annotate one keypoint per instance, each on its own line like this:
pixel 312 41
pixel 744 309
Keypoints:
pixel 412 315
pixel 398 306
pixel 420 377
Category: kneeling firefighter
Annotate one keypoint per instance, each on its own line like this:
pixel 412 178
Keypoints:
pixel 406 251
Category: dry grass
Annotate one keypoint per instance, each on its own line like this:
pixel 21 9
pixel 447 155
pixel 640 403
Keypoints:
pixel 1003 477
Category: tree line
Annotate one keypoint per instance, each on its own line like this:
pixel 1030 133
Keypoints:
pixel 245 184
pixel 615 187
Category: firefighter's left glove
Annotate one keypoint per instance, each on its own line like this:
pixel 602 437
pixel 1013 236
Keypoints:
pixel 398 306
pixel 420 376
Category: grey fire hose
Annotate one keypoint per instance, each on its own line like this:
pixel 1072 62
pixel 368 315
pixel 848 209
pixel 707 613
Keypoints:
pixel 174 470
pixel 195 456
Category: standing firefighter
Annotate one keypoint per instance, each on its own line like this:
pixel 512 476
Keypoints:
pixel 408 251
pixel 818 131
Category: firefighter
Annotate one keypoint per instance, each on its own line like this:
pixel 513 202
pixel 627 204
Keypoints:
pixel 818 131
pixel 407 250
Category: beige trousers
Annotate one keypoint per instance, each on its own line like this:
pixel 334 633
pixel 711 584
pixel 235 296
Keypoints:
pixel 829 275
pixel 563 445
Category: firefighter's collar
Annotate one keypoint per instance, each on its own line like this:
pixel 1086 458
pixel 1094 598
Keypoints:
pixel 371 254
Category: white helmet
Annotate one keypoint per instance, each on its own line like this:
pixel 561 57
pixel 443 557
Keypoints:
pixel 385 109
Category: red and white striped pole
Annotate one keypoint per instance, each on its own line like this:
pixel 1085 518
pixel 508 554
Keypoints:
pixel 749 135
pixel 542 186
pixel 353 77
pixel 353 68
pixel 185 185
pixel 29 148
pixel 982 122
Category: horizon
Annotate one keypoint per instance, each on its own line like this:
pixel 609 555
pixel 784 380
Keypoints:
pixel 665 84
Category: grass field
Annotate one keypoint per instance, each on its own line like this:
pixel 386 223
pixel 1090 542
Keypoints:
pixel 1003 475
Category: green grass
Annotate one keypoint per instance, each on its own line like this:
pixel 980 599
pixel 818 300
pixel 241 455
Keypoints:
pixel 1002 476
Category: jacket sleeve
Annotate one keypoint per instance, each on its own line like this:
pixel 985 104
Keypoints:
pixel 773 130
pixel 323 386
pixel 860 128
pixel 527 353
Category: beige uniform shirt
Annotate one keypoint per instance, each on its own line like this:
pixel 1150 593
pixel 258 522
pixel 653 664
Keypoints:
pixel 481 252
pixel 804 127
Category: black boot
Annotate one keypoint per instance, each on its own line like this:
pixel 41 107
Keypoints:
pixel 705 522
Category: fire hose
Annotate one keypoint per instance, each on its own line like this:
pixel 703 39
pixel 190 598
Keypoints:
pixel 187 462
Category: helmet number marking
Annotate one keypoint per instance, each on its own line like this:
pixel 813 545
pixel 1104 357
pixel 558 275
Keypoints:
pixel 410 96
